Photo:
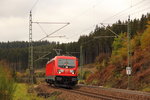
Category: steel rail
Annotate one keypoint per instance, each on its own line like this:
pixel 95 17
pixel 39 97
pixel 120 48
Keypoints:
pixel 96 95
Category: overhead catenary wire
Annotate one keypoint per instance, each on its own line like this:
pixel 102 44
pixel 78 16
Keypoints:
pixel 47 34
pixel 119 13
pixel 140 9
pixel 72 36
pixel 141 5
pixel 132 9
pixel 54 32
pixel 104 37
pixel 34 5
pixel 75 17
pixel 133 13
pixel 85 11
pixel 110 30
pixel 51 22
pixel 42 56
pixel 56 36
pixel 126 10
pixel 148 8
pixel 42 29
pixel 134 5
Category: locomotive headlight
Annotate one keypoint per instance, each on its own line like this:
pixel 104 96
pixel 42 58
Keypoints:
pixel 60 71
pixel 72 71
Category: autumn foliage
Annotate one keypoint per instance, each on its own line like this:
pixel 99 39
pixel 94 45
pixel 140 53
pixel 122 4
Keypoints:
pixel 114 74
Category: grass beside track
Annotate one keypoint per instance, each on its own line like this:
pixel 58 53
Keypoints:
pixel 22 94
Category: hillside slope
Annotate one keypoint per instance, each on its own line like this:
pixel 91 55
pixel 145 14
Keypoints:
pixel 111 72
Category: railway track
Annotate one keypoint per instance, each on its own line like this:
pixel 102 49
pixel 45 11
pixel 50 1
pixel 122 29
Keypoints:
pixel 89 94
pixel 95 95
pixel 124 94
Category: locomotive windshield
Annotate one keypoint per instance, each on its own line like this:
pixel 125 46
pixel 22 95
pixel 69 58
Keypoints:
pixel 66 63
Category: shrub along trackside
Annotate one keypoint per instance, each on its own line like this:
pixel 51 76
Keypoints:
pixel 7 85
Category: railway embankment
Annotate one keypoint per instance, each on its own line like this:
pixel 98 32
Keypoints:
pixel 82 92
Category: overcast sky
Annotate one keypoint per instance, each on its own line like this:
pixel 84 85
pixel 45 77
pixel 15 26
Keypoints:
pixel 82 15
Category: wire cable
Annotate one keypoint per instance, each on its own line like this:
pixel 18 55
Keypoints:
pixel 83 12
pixel 54 31
pixel 132 9
pixel 140 11
pixel 72 36
pixel 75 17
pixel 42 29
pixel 124 10
pixel 34 5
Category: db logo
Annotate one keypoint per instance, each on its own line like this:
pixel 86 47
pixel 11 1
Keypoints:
pixel 67 71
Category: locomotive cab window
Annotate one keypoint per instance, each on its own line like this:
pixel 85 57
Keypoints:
pixel 66 63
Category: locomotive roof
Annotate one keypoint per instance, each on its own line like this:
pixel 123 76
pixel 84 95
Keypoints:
pixel 61 57
pixel 64 56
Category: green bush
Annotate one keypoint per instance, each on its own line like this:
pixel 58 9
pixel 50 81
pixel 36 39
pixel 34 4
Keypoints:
pixel 86 74
pixel 147 89
pixel 7 85
pixel 95 82
pixel 102 65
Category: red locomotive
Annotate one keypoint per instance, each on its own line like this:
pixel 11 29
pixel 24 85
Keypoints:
pixel 62 70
